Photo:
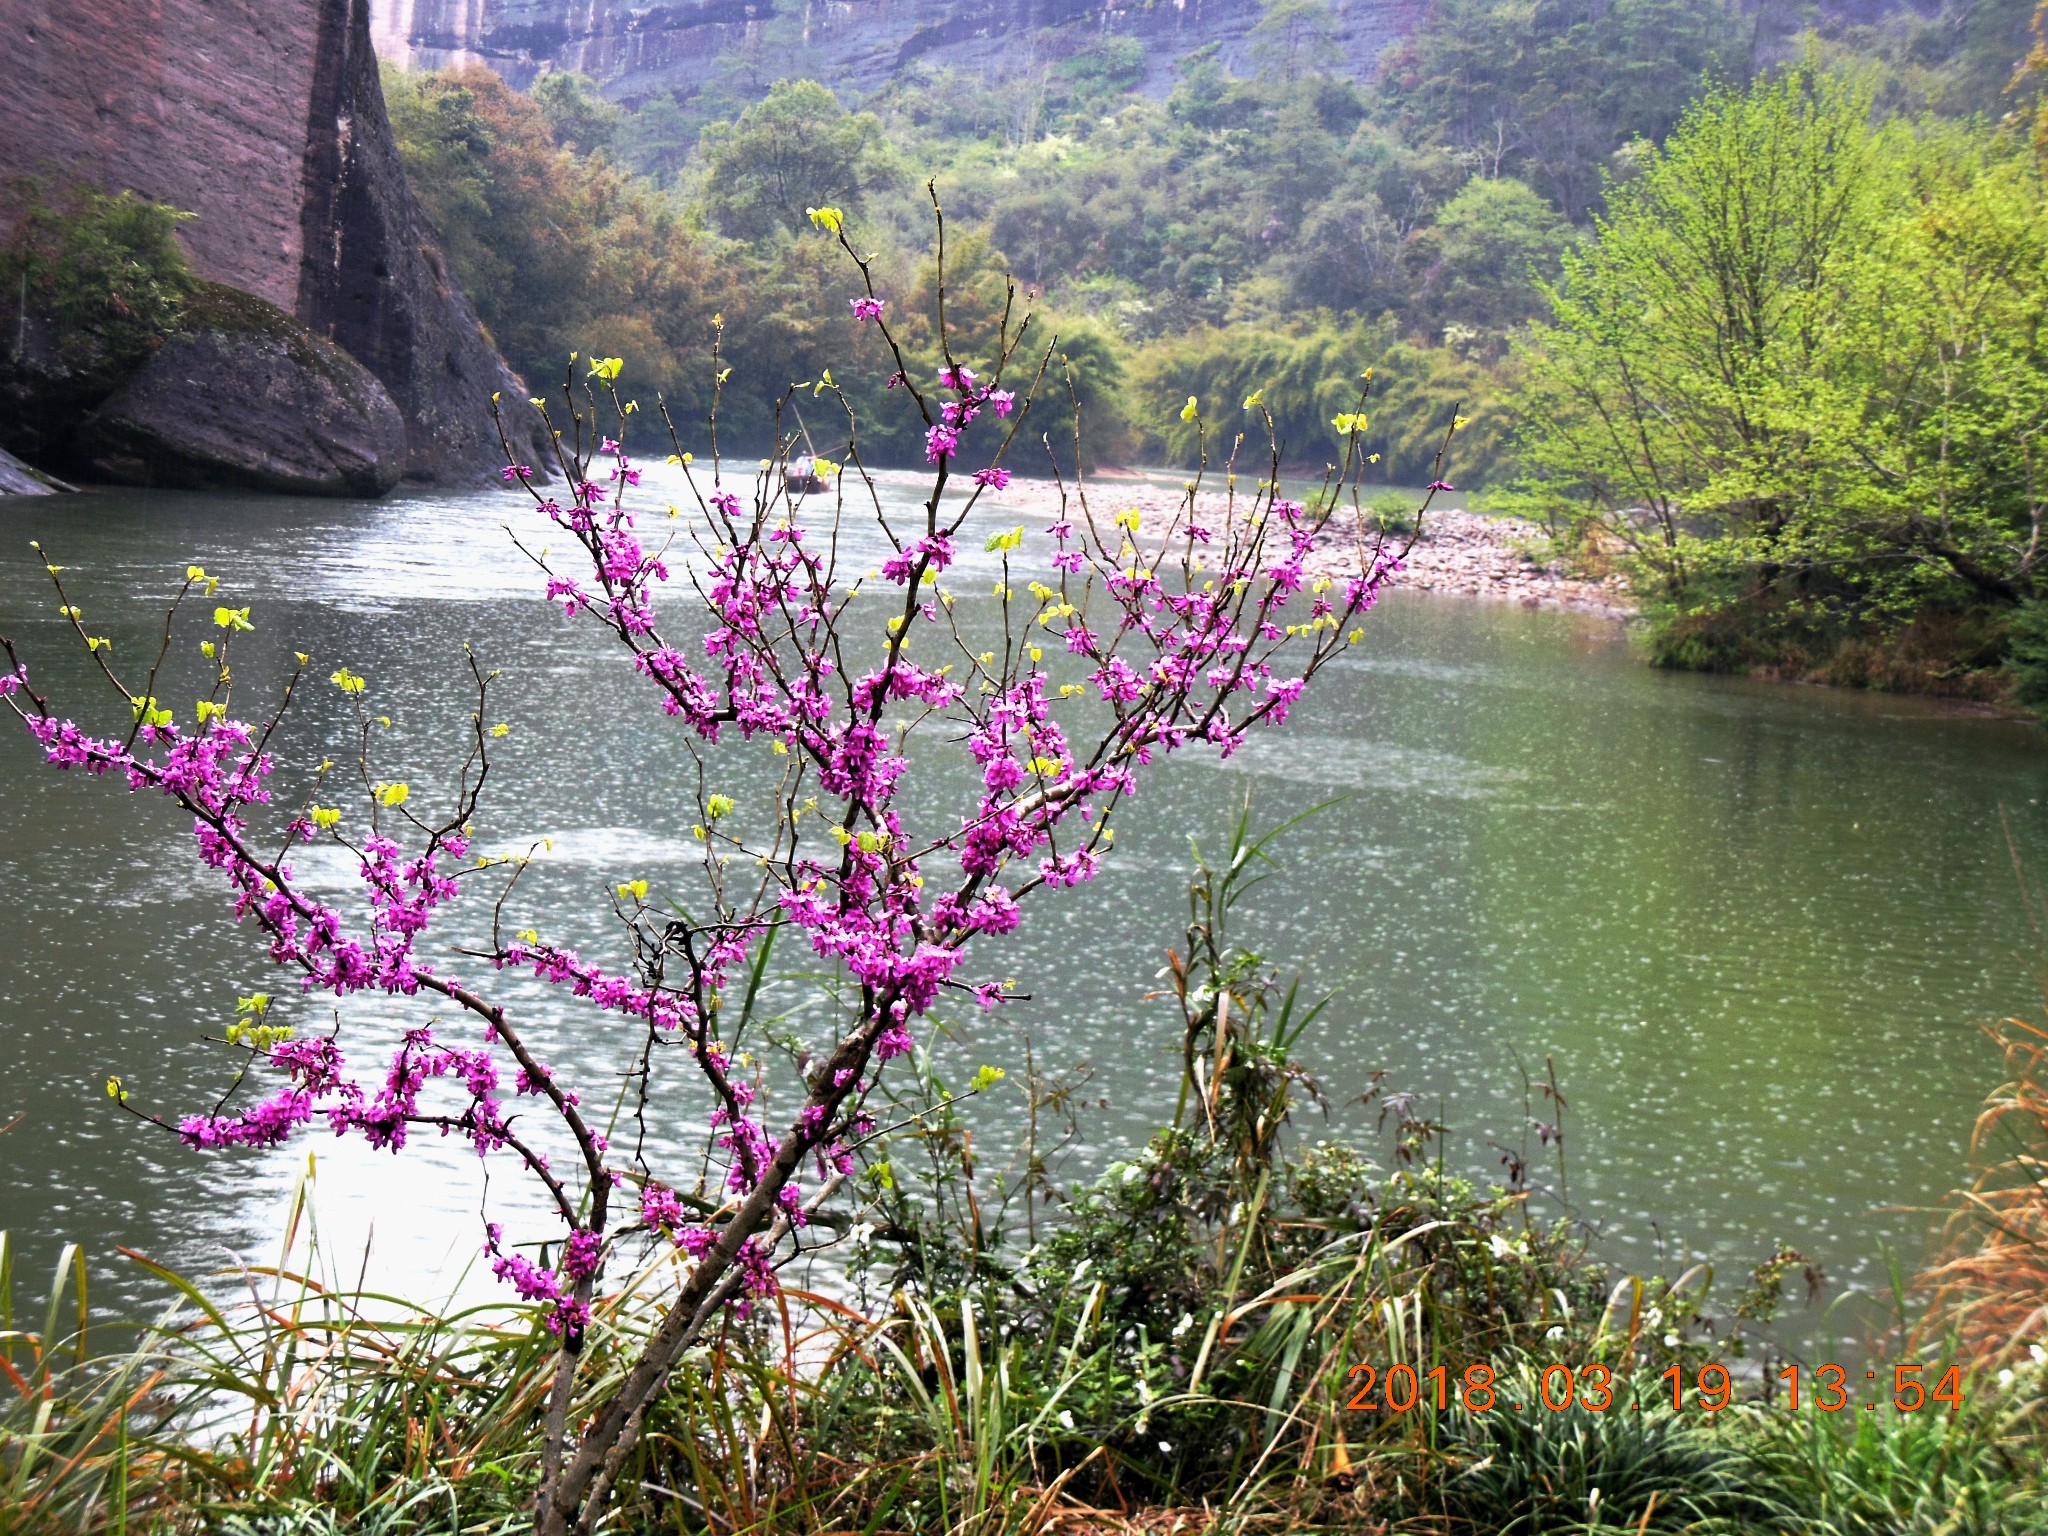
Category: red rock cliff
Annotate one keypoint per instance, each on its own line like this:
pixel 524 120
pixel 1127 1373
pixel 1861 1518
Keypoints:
pixel 266 120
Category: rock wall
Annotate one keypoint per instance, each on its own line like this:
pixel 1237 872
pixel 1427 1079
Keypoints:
pixel 202 106
pixel 638 47
pixel 635 48
pixel 264 119
pixel 371 278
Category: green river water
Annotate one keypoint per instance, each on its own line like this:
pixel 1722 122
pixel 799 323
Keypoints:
pixel 1755 928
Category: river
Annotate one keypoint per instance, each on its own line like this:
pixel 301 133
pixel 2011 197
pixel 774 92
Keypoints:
pixel 1755 928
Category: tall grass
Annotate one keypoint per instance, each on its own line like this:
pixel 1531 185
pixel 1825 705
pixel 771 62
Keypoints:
pixel 289 1393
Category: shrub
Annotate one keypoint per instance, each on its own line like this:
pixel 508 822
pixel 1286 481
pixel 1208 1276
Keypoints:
pixel 106 273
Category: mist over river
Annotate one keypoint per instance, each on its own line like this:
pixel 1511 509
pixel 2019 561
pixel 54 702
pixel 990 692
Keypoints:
pixel 1755 927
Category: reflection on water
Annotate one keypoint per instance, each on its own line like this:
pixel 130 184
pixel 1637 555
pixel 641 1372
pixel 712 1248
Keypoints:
pixel 1754 926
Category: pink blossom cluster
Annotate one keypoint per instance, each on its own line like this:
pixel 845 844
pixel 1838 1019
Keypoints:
pixel 1157 640
pixel 217 773
pixel 942 437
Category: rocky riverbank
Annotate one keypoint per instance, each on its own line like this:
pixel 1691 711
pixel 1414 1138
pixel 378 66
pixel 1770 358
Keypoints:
pixel 1459 553
pixel 1467 555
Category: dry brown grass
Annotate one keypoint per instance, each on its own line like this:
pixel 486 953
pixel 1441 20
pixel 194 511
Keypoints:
pixel 1990 1292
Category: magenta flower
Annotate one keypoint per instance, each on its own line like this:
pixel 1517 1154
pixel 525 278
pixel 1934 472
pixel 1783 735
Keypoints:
pixel 905 896
pixel 1441 485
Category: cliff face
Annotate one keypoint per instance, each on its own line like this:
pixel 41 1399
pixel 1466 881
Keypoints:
pixel 265 119
pixel 638 47
pixel 371 278
pixel 635 48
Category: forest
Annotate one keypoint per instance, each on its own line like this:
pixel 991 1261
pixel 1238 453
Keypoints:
pixel 1279 228
pixel 1480 223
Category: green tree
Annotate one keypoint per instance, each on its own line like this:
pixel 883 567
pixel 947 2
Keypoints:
pixel 1347 257
pixel 1086 387
pixel 795 149
pixel 106 273
pixel 1803 374
pixel 581 120
pixel 1307 379
pixel 1674 389
pixel 1096 79
pixel 1492 246
pixel 1547 89
pixel 655 140
pixel 1048 233
pixel 560 253
pixel 976 295
pixel 1294 37
pixel 1931 425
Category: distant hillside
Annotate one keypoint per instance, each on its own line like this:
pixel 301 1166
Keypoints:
pixel 634 49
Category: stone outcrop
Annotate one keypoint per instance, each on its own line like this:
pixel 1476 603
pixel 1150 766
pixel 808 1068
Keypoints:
pixel 265 120
pixel 374 281
pixel 17 479
pixel 246 398
pixel 635 48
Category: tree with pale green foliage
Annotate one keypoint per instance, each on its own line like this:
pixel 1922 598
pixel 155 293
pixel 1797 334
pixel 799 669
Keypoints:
pixel 1803 368
pixel 1671 390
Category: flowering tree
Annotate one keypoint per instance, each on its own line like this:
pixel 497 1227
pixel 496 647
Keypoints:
pixel 1194 633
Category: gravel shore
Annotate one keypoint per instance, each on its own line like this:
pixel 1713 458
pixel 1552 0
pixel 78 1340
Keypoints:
pixel 1469 555
pixel 1460 553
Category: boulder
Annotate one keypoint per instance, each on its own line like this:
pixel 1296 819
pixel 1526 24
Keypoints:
pixel 244 397
pixel 17 479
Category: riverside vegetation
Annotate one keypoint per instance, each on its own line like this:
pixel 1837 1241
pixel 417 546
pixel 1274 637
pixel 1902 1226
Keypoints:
pixel 1817 461
pixel 1172 1345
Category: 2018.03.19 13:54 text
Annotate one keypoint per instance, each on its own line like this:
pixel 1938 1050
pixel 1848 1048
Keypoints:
pixel 1400 1388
